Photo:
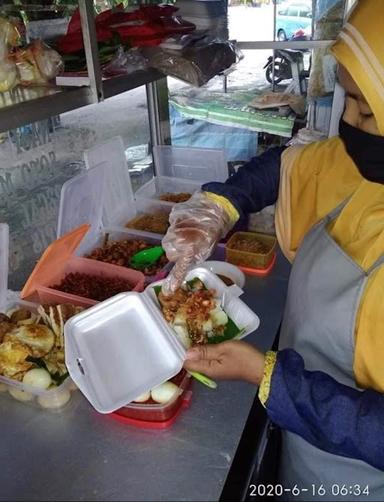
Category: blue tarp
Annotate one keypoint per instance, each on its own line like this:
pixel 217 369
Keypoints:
pixel 239 144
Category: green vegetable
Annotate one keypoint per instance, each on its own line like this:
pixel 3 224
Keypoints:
pixel 56 377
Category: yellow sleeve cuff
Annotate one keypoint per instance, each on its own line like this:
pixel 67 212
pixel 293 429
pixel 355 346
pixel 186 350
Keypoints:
pixel 265 384
pixel 228 207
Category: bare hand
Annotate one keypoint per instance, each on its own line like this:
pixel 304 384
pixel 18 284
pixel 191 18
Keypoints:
pixel 232 360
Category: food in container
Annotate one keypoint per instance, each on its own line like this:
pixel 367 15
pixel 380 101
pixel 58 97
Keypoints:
pixel 250 249
pixel 91 286
pixel 205 310
pixel 175 197
pixel 196 315
pixel 228 273
pixel 120 253
pixel 85 281
pixel 113 365
pixel 157 223
pixel 32 361
pixel 152 411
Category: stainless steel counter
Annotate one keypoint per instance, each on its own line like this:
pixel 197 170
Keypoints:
pixel 81 455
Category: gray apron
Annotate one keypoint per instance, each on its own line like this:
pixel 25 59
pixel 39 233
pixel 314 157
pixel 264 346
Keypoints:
pixel 324 293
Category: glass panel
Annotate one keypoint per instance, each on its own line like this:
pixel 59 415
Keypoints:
pixel 37 159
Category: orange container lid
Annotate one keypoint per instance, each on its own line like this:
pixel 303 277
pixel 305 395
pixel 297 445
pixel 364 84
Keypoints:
pixel 53 260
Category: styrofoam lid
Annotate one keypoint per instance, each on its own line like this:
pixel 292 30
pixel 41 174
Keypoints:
pixel 120 349
pixel 197 164
pixel 81 203
pixel 4 260
pixel 118 200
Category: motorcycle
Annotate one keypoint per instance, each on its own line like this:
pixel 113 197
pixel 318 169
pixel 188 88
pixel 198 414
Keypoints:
pixel 279 68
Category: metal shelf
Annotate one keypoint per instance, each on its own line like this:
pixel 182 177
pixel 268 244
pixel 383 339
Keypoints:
pixel 26 105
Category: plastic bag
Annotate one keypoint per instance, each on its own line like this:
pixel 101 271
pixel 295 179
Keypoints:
pixel 197 63
pixel 9 36
pixel 126 62
pixel 37 64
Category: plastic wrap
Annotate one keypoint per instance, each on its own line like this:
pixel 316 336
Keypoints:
pixel 126 62
pixel 197 62
pixel 195 227
pixel 37 64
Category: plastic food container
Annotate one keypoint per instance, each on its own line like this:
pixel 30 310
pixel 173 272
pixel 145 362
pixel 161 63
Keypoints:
pixel 181 169
pixel 195 164
pixel 159 412
pixel 161 185
pixel 250 259
pixel 121 235
pixel 51 400
pixel 110 202
pixel 112 365
pixel 81 202
pixel 58 261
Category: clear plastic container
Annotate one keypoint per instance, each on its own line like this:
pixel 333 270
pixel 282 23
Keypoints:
pixel 155 412
pixel 127 234
pixel 161 185
pixel 200 165
pixel 102 197
pixel 58 261
pixel 256 260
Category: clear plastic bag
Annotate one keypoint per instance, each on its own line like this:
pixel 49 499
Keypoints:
pixel 126 62
pixel 37 64
pixel 197 62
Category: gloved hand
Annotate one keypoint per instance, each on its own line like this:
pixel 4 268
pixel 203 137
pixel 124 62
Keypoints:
pixel 195 227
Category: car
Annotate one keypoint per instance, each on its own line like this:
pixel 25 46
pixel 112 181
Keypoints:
pixel 292 17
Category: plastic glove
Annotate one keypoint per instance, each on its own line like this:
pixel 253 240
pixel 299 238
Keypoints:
pixel 195 228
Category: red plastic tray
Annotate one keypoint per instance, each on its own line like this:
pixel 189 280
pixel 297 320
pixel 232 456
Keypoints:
pixel 259 271
pixel 155 425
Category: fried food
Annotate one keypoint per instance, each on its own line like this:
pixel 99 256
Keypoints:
pixel 194 313
pixel 155 222
pixel 175 197
pixel 39 338
pixel 13 356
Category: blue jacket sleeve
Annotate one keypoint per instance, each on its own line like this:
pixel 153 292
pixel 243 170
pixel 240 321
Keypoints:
pixel 333 417
pixel 255 185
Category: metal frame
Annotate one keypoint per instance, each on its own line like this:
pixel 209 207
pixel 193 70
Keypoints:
pixel 158 112
pixel 91 48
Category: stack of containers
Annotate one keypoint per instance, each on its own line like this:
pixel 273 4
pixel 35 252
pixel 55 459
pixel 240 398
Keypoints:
pixel 102 198
pixel 53 399
pixel 207 15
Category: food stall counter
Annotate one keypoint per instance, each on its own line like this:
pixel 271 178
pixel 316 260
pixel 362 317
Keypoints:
pixel 82 455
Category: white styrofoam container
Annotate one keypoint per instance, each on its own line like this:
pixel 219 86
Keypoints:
pixel 236 309
pixel 53 399
pixel 120 349
pixel 123 347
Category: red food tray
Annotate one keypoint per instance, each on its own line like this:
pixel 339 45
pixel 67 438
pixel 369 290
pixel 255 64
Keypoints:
pixel 165 424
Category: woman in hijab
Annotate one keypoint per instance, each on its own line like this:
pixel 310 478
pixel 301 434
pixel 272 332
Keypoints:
pixel 324 387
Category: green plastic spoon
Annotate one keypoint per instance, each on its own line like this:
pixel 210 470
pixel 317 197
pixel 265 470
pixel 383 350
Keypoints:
pixel 146 257
pixel 203 379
